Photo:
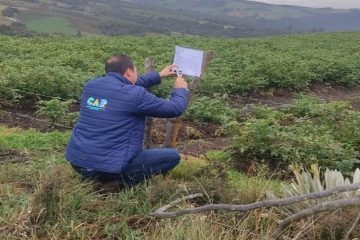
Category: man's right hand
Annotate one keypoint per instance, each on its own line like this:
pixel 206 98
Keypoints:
pixel 180 83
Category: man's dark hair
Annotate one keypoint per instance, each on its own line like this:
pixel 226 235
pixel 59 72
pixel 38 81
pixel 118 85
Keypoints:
pixel 119 63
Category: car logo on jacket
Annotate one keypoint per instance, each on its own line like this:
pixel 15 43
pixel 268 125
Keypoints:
pixel 96 104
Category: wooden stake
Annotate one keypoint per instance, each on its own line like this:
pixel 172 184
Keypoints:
pixel 149 67
pixel 173 125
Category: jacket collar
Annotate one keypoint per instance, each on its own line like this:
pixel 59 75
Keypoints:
pixel 118 77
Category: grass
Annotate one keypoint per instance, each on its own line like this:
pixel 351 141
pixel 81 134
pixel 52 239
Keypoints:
pixel 50 24
pixel 43 198
pixel 18 139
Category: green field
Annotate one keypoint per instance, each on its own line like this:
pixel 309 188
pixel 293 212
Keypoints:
pixel 50 24
pixel 59 66
pixel 268 152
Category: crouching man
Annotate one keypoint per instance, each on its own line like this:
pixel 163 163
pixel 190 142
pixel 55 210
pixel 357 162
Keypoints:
pixel 106 142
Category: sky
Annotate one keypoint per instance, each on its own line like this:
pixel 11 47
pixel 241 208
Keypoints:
pixel 317 3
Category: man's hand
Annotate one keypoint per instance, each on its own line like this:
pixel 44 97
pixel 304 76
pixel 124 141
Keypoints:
pixel 168 71
pixel 180 83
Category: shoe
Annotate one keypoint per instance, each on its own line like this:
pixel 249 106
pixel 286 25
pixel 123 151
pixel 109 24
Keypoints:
pixel 111 187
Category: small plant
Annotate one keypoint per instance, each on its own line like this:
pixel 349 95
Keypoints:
pixel 57 111
pixel 216 155
pixel 192 133
pixel 206 109
pixel 313 181
pixel 309 181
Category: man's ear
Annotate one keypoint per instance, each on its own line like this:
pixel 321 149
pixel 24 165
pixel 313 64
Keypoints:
pixel 127 72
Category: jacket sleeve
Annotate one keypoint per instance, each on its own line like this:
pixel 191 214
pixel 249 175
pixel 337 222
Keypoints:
pixel 153 106
pixel 148 80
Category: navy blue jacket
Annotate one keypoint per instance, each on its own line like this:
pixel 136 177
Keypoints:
pixel 110 129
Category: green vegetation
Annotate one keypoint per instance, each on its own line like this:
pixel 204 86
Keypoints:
pixel 234 18
pixel 206 109
pixel 57 111
pixel 58 66
pixel 306 132
pixel 50 24
pixel 16 139
pixel 42 197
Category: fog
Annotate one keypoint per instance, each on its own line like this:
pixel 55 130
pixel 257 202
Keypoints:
pixel 317 3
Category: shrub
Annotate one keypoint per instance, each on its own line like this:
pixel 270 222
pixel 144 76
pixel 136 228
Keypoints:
pixel 208 109
pixel 57 111
pixel 307 132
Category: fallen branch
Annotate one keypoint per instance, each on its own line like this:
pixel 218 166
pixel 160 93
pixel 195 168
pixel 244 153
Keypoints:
pixel 323 207
pixel 177 201
pixel 162 212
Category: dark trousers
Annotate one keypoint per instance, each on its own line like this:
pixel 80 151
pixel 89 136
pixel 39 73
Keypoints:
pixel 147 163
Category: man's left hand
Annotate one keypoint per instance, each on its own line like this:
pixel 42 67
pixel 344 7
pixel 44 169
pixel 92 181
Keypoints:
pixel 168 71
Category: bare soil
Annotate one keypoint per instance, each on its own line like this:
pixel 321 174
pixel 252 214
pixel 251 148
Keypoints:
pixel 338 93
pixel 194 138
pixel 13 156
pixel 14 119
pixel 278 97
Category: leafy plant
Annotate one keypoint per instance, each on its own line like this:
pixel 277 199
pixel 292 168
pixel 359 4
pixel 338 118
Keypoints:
pixel 57 111
pixel 208 109
pixel 58 66
pixel 307 132
pixel 313 180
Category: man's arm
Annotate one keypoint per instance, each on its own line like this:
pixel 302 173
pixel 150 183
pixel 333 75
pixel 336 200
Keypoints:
pixel 153 106
pixel 150 105
pixel 148 80
pixel 154 78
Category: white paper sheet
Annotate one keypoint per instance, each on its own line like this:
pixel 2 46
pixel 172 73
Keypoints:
pixel 189 61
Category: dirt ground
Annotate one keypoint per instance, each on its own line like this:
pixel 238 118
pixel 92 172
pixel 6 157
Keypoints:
pixel 280 97
pixel 194 138
pixel 13 156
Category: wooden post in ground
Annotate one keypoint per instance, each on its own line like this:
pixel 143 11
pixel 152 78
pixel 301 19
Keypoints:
pixel 149 67
pixel 173 124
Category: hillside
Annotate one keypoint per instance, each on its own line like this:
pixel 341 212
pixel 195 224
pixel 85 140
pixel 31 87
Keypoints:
pixel 273 118
pixel 200 18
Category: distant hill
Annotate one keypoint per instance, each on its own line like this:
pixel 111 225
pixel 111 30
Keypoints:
pixel 268 15
pixel 221 18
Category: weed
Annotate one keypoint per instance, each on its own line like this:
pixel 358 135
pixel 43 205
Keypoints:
pixel 57 111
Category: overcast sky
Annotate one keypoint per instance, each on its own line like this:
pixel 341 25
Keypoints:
pixel 317 3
